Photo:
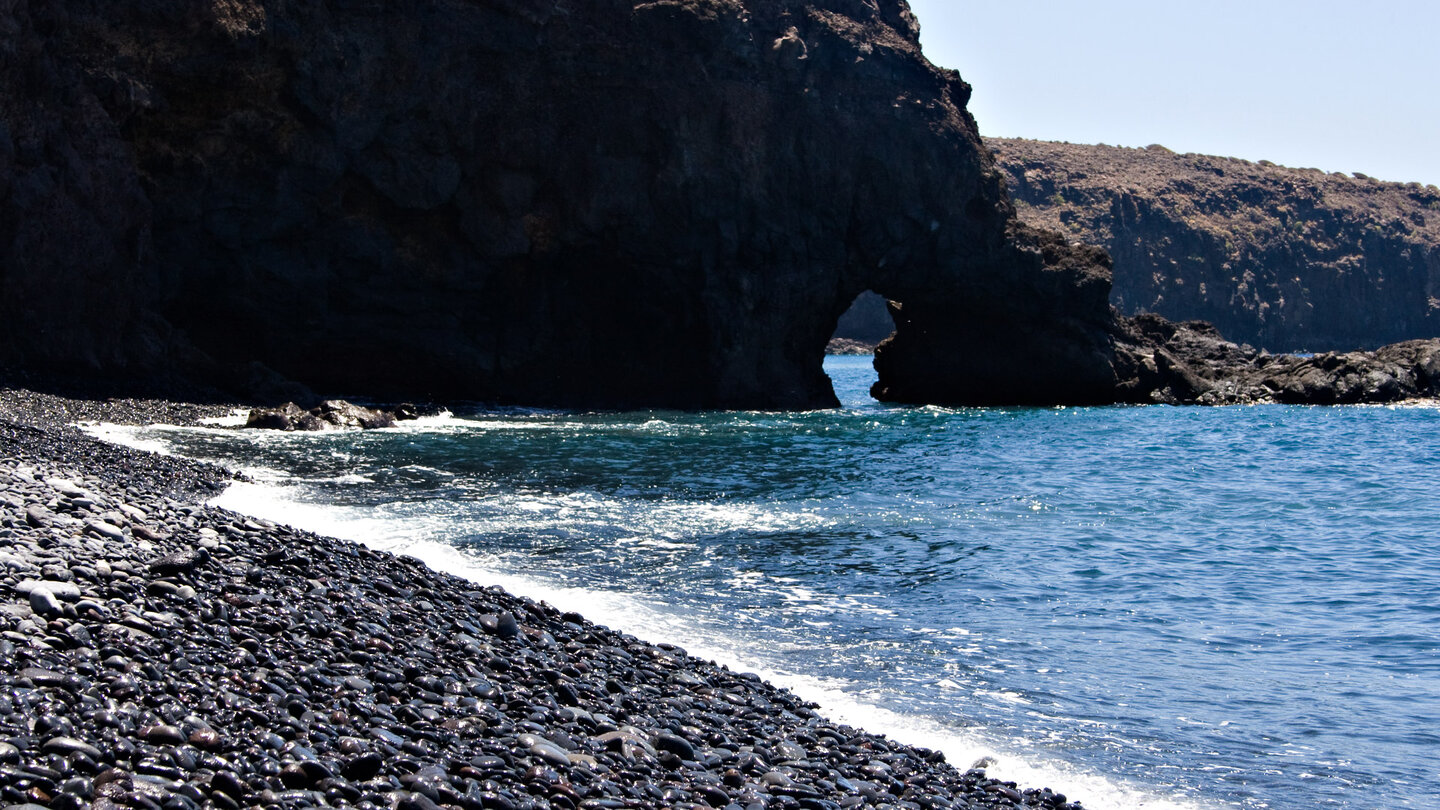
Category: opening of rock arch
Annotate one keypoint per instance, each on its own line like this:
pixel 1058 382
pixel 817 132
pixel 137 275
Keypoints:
pixel 862 326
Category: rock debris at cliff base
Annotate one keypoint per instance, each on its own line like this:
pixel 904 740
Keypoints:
pixel 1191 364
pixel 159 653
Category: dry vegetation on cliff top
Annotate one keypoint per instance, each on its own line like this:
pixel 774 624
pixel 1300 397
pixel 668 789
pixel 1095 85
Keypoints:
pixel 1288 259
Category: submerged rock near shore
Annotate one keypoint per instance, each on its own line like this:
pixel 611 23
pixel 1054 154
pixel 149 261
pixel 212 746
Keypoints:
pixel 332 414
pixel 593 204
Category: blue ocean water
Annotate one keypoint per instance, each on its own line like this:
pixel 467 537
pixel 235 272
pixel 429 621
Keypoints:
pixel 1142 607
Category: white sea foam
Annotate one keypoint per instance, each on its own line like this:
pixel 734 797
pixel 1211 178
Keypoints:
pixel 236 418
pixel 349 478
pixel 1012 759
pixel 126 435
pixel 272 494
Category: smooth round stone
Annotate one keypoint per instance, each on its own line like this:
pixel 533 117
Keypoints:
pixel 386 736
pixel 715 797
pixel 350 746
pixel 787 750
pixel 44 602
pixel 295 777
pixel 162 588
pixel 37 516
pixel 65 746
pixel 363 767
pixel 162 734
pixel 566 695
pixel 484 690
pixel 506 626
pixel 316 770
pixel 550 753
pixel 54 725
pixel 78 786
pixel 417 801
pixel 488 763
pixel 676 745
pixel 110 775
pixel 777 779
pixel 107 530
pixel 227 783
pixel 60 588
pixel 205 739
pixel 179 562
pixel 42 677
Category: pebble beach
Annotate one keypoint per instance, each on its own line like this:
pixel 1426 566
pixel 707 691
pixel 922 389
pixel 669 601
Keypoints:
pixel 158 652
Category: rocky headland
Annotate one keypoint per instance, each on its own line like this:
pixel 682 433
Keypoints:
pixel 610 204
pixel 1282 259
pixel 156 652
pixel 604 204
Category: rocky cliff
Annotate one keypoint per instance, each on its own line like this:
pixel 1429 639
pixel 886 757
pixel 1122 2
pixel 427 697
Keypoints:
pixel 1191 364
pixel 1285 259
pixel 606 203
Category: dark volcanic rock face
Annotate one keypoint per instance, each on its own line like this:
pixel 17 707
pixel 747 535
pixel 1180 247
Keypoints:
pixel 977 353
pixel 75 278
pixel 1286 259
pixel 599 204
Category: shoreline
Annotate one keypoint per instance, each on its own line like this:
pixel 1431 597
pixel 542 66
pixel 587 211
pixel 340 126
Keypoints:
pixel 176 654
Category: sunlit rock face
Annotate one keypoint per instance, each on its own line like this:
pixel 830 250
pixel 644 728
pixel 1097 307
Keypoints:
pixel 599 204
pixel 1282 259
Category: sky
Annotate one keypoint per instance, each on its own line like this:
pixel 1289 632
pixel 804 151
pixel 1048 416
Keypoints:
pixel 1340 86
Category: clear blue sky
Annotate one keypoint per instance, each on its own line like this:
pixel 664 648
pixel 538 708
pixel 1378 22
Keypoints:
pixel 1341 86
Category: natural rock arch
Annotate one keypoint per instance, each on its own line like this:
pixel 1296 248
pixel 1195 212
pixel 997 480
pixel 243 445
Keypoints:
pixel 625 204
pixel 1025 323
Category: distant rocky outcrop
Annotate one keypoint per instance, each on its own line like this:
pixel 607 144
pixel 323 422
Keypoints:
pixel 1191 364
pixel 1284 259
pixel 849 346
pixel 600 204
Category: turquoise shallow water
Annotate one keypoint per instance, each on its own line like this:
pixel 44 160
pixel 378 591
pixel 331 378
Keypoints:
pixel 1146 607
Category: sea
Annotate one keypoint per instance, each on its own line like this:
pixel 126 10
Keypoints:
pixel 1140 607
